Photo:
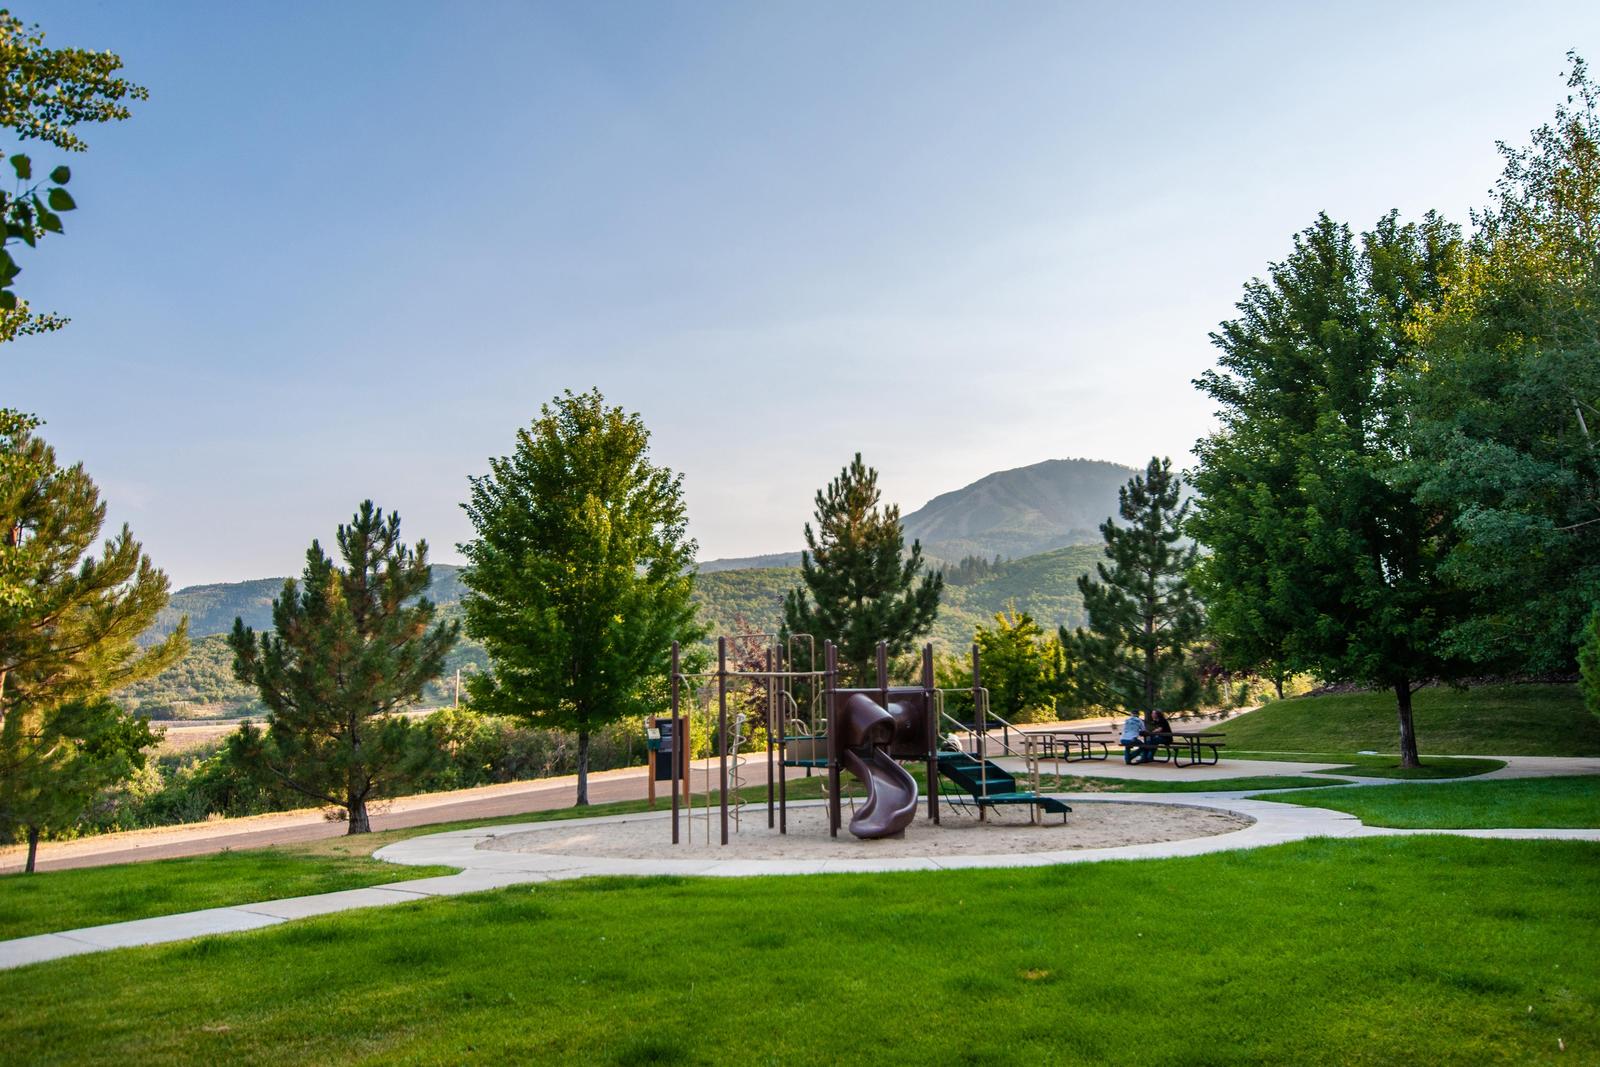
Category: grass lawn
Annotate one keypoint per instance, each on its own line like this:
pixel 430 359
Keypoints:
pixel 1089 784
pixel 89 896
pixel 1423 949
pixel 1496 720
pixel 1545 803
pixel 1384 766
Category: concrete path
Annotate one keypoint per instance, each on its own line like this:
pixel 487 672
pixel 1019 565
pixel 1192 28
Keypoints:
pixel 310 824
pixel 482 869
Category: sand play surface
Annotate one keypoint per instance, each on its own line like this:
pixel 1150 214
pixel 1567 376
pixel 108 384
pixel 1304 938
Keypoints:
pixel 1092 824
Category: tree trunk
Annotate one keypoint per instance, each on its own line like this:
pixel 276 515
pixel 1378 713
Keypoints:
pixel 1408 733
pixel 359 823
pixel 1277 683
pixel 33 848
pixel 583 767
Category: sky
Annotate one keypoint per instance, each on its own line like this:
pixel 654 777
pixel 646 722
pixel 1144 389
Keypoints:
pixel 346 251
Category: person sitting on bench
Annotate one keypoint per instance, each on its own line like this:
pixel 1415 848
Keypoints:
pixel 1132 732
pixel 1159 733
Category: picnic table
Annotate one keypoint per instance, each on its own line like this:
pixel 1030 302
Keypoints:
pixel 1188 748
pixel 1074 745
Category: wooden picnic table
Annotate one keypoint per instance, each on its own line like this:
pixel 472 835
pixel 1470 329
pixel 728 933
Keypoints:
pixel 1187 748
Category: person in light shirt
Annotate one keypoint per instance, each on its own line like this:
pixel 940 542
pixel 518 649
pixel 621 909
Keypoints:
pixel 1132 731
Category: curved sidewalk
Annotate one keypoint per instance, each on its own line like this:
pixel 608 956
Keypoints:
pixel 483 869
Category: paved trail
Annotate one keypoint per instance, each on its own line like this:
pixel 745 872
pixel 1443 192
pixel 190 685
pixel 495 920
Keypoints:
pixel 290 827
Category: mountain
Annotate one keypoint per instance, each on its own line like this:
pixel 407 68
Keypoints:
pixel 744 563
pixel 202 684
pixel 1020 512
pixel 1010 514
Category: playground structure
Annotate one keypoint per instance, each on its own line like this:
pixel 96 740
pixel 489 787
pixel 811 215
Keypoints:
pixel 810 722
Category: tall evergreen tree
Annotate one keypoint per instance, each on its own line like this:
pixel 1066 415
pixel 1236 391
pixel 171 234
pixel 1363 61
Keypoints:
pixel 349 647
pixel 1320 558
pixel 1508 412
pixel 861 586
pixel 1143 615
pixel 581 574
pixel 69 624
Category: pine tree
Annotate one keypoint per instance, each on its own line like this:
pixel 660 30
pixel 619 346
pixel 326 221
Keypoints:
pixel 1143 615
pixel 581 574
pixel 349 647
pixel 69 624
pixel 860 584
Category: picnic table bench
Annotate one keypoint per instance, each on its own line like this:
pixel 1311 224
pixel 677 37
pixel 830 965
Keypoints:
pixel 1187 748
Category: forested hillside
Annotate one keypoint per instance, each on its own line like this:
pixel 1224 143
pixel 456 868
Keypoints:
pixel 203 686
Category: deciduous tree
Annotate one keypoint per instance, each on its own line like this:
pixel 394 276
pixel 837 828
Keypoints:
pixel 1019 665
pixel 1508 401
pixel 45 94
pixel 1307 502
pixel 581 573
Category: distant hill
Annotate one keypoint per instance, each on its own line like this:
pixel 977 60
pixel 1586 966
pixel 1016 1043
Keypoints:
pixel 1044 585
pixel 1010 514
pixel 203 686
pixel 1021 512
pixel 742 563
pixel 212 608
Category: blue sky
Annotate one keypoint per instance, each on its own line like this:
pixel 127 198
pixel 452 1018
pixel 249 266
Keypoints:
pixel 346 250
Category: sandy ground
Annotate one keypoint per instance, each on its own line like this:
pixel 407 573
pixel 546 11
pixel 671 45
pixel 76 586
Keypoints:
pixel 1091 825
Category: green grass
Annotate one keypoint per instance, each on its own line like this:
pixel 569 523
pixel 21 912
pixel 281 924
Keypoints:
pixel 50 901
pixel 1544 803
pixel 1089 784
pixel 89 896
pixel 1418 949
pixel 1383 766
pixel 1498 720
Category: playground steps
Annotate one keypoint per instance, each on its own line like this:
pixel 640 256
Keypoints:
pixel 973 775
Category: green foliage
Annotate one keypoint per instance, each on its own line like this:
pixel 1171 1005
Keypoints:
pixel 68 629
pixel 859 584
pixel 349 647
pixel 1143 615
pixel 1020 666
pixel 1320 558
pixel 45 93
pixel 1589 662
pixel 581 574
pixel 1508 401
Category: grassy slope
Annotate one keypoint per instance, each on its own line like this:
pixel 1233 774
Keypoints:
pixel 1539 802
pixel 1502 720
pixel 1488 957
